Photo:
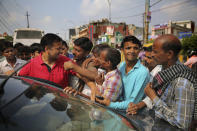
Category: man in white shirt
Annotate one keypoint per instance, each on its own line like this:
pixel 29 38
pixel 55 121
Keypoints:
pixel 11 63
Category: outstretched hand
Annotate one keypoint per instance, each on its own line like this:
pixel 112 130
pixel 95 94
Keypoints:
pixel 68 65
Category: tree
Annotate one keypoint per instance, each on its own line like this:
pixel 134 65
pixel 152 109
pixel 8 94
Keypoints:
pixel 189 44
pixel 9 38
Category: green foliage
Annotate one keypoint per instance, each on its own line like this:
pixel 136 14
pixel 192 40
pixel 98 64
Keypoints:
pixel 189 44
pixel 151 40
pixel 9 38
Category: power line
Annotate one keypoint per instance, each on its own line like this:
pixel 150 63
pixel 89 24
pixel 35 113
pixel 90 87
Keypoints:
pixel 139 5
pixel 156 10
pixel 171 6
pixel 8 14
pixel 5 26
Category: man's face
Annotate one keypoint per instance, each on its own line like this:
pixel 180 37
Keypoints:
pixel 54 51
pixel 64 50
pixel 149 62
pixel 102 60
pixel 9 53
pixel 96 60
pixel 79 53
pixel 24 55
pixel 131 51
pixel 36 53
pixel 158 54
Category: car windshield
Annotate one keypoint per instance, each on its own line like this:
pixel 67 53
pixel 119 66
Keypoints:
pixel 29 34
pixel 44 108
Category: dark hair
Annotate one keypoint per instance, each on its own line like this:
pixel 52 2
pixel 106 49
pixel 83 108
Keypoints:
pixel 18 45
pixel 98 48
pixel 148 49
pixel 172 44
pixel 36 48
pixel 132 39
pixel 35 44
pixel 65 44
pixel 84 42
pixel 113 55
pixel 7 45
pixel 49 39
pixel 24 49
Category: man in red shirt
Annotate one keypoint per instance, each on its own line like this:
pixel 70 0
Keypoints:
pixel 49 64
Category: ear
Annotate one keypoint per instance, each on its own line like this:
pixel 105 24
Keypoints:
pixel 46 48
pixel 170 54
pixel 109 64
pixel 87 53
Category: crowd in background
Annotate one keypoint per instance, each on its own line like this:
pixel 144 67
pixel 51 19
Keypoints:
pixel 157 81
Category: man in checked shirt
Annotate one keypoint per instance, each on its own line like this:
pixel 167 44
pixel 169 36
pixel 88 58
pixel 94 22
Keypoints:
pixel 175 103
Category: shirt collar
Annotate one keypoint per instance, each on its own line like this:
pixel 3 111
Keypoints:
pixel 41 62
pixel 112 72
pixel 109 74
pixel 5 63
pixel 18 61
pixel 137 65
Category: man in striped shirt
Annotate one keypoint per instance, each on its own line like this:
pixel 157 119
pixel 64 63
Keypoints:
pixel 174 101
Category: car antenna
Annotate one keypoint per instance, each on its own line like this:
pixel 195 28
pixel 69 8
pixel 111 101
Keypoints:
pixel 8 77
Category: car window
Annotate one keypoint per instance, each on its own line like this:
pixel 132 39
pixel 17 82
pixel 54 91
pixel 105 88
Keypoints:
pixel 42 108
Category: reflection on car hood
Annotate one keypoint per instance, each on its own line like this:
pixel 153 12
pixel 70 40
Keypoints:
pixel 30 105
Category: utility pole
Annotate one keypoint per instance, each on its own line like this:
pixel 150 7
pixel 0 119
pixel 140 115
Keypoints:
pixel 109 3
pixel 146 21
pixel 147 18
pixel 27 19
pixel 143 27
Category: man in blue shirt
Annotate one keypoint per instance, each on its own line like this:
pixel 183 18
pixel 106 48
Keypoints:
pixel 134 75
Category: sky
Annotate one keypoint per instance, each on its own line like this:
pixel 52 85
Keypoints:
pixel 57 16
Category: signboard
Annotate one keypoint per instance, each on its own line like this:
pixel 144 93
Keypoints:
pixel 148 16
pixel 110 30
pixel 185 34
pixel 119 37
pixel 160 26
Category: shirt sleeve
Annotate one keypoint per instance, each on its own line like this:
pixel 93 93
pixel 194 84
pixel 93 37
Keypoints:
pixel 1 71
pixel 136 95
pixel 25 71
pixel 112 88
pixel 179 112
pixel 148 102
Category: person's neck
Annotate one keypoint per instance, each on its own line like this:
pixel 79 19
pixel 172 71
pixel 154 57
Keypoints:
pixel 47 60
pixel 12 61
pixel 130 65
pixel 80 61
pixel 170 63
pixel 151 68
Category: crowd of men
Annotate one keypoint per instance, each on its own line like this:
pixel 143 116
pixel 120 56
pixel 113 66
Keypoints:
pixel 158 82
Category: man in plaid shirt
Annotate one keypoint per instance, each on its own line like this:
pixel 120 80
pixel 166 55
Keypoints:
pixel 110 85
pixel 176 103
